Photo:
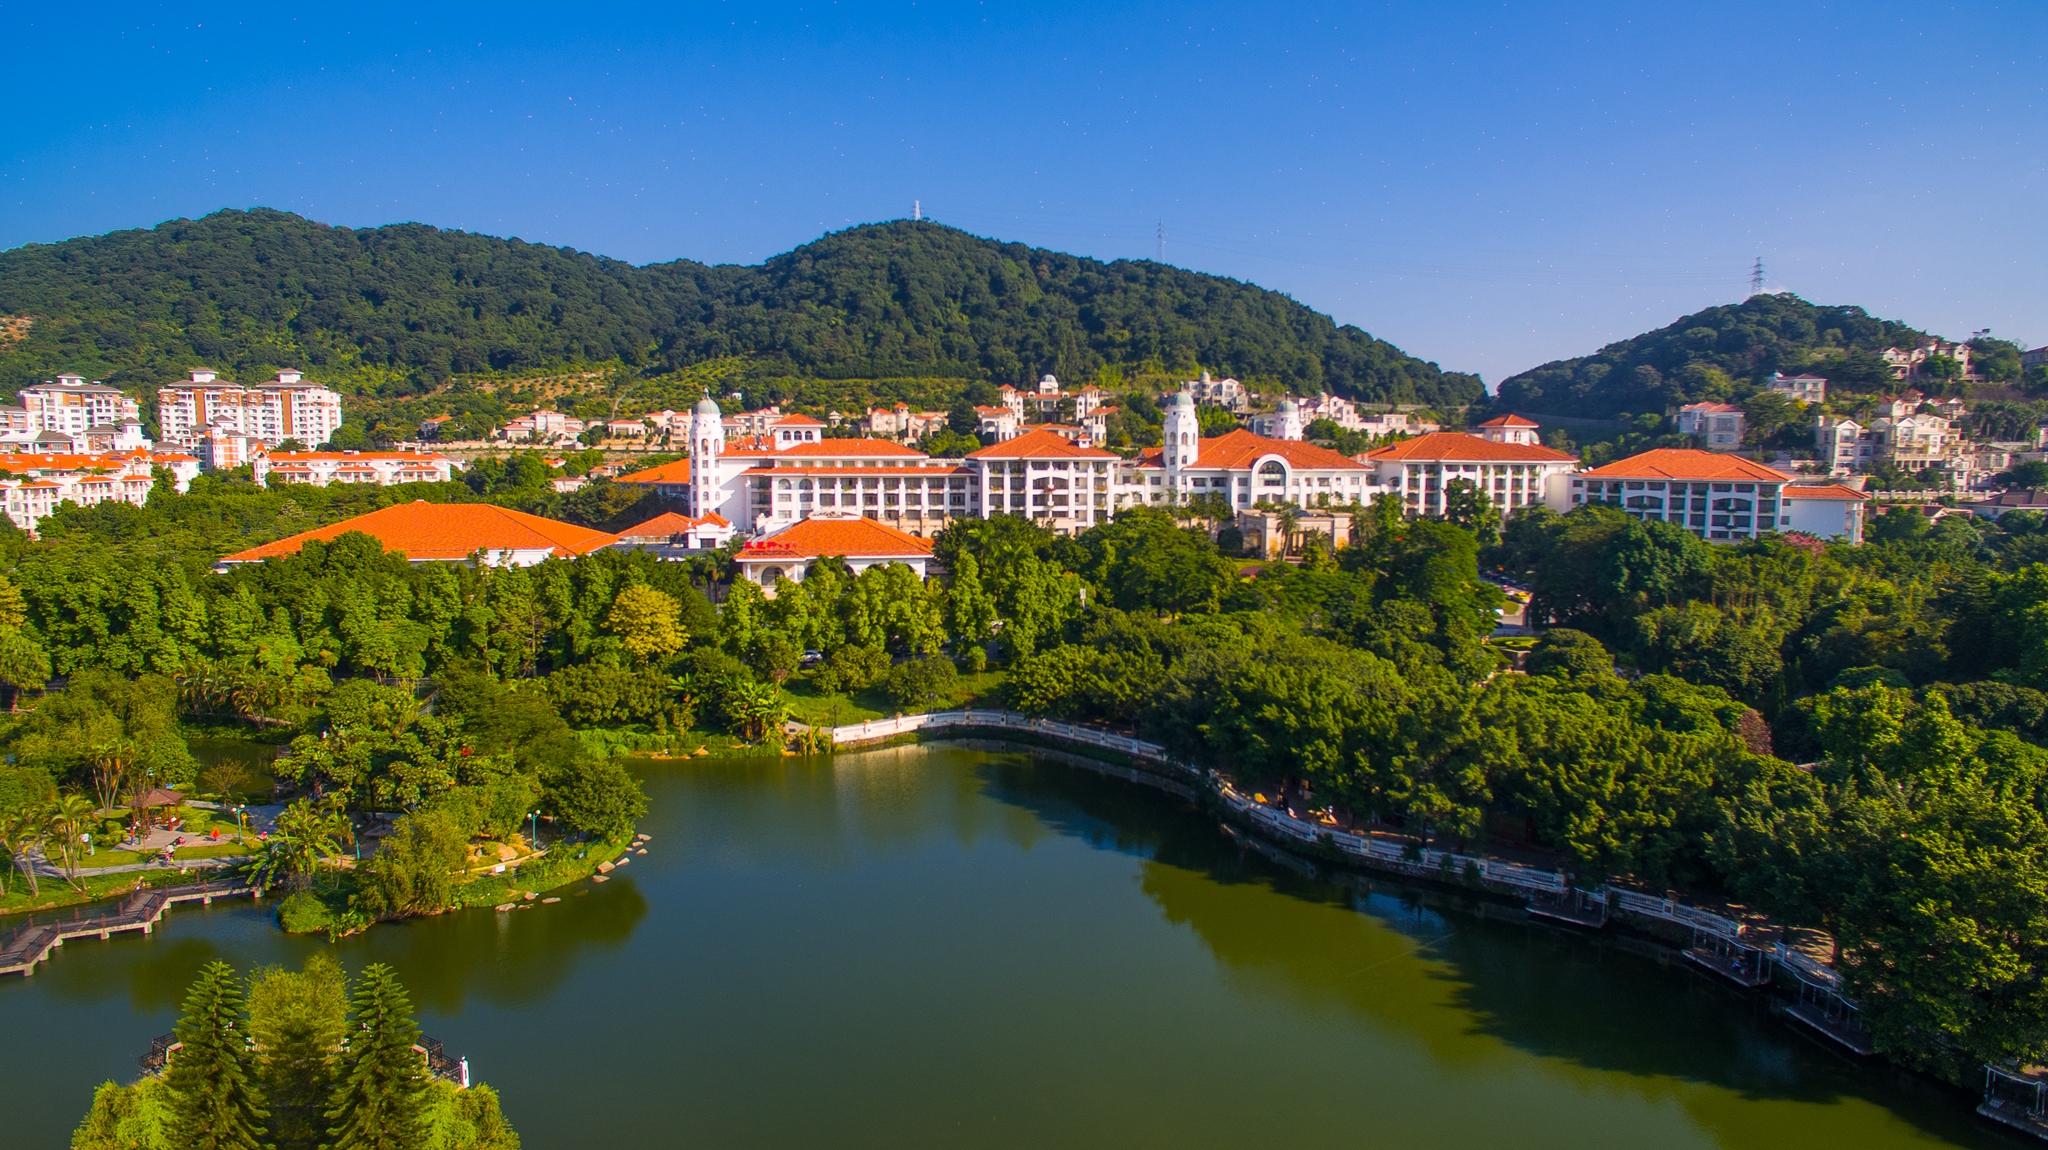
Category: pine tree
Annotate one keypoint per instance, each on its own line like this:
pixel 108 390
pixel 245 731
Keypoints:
pixel 381 1100
pixel 212 1093
pixel 298 1020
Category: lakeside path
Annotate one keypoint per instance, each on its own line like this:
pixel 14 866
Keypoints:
pixel 1744 950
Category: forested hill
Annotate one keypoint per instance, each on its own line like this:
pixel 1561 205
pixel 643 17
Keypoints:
pixel 395 309
pixel 1710 353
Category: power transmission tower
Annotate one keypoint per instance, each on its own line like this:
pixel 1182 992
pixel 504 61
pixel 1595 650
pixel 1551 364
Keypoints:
pixel 1756 277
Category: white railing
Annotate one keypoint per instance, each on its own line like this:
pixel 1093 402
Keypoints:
pixel 1383 852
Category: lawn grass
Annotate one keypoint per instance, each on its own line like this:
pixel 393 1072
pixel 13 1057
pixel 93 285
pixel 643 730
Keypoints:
pixel 57 894
pixel 815 708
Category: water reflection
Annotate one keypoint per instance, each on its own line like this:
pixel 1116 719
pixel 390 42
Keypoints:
pixel 937 946
pixel 1404 959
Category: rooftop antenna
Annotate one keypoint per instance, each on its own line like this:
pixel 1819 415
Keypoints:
pixel 917 209
pixel 1756 277
pixel 1159 243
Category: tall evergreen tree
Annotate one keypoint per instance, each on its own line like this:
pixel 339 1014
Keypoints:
pixel 210 1076
pixel 299 1020
pixel 380 1102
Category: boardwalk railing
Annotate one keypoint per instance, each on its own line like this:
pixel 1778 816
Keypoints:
pixel 21 951
pixel 1529 882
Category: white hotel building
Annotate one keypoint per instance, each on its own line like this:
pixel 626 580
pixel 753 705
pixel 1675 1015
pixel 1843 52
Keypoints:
pixel 764 484
pixel 1503 462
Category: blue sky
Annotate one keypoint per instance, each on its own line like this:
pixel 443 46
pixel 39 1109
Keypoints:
pixel 1487 185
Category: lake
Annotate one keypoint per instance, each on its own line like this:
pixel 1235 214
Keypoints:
pixel 943 946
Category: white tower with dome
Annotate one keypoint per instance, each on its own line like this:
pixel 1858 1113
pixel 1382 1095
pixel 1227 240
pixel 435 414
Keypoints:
pixel 707 444
pixel 1183 435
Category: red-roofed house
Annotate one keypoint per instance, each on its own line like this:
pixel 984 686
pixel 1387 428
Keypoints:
pixel 34 484
pixel 1824 510
pixel 673 535
pixel 1510 473
pixel 859 541
pixel 447 533
pixel 1717 497
pixel 1046 477
pixel 1717 426
pixel 378 468
pixel 1510 428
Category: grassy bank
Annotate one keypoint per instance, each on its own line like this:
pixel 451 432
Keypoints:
pixel 331 913
pixel 56 894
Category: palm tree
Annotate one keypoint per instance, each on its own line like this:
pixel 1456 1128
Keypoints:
pixel 70 818
pixel 20 835
pixel 305 837
pixel 762 711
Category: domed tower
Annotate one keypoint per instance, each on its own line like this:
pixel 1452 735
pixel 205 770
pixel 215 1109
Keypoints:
pixel 1287 420
pixel 707 443
pixel 1183 433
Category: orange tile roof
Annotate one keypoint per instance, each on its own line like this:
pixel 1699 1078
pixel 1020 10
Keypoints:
pixel 850 448
pixel 1688 463
pixel 50 461
pixel 671 523
pixel 1509 420
pixel 1824 491
pixel 819 536
pixel 421 530
pixel 1438 446
pixel 1239 449
pixel 1040 443
pixel 354 457
pixel 798 420
pixel 1714 408
pixel 676 472
pixel 862 469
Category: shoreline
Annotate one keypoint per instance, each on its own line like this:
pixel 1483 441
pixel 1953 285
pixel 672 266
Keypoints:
pixel 1801 990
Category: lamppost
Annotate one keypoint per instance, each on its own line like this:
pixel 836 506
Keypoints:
pixel 240 840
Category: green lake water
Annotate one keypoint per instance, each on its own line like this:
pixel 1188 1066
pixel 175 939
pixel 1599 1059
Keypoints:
pixel 937 946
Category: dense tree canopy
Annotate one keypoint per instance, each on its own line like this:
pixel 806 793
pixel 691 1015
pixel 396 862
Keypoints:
pixel 396 310
pixel 1716 354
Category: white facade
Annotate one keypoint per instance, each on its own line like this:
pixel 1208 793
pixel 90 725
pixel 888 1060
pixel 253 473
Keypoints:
pixel 1799 388
pixel 1423 472
pixel 1045 478
pixel 1284 422
pixel 1717 426
pixel 69 414
pixel 32 486
pixel 1720 498
pixel 373 468
pixel 1226 393
pixel 543 426
pixel 285 408
pixel 1825 511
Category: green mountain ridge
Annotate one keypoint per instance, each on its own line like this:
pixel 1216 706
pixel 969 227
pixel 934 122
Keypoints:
pixel 396 310
pixel 1713 354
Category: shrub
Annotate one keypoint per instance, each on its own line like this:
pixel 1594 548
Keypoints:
pixel 851 668
pixel 921 682
pixel 304 913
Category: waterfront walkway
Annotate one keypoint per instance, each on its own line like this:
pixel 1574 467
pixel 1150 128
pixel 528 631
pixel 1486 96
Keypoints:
pixel 25 948
pixel 1743 952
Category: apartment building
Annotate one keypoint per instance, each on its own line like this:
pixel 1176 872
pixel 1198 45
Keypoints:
pixel 1715 426
pixel 285 408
